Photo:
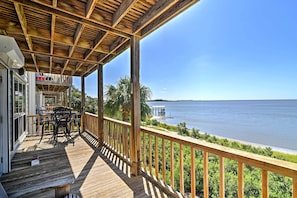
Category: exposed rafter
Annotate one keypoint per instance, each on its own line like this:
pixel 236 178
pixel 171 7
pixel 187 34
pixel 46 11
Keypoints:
pixel 53 24
pixel 122 11
pixel 70 16
pixel 22 19
pixel 73 37
pixel 153 13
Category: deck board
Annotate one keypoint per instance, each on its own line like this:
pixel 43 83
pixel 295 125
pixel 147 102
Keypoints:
pixel 98 173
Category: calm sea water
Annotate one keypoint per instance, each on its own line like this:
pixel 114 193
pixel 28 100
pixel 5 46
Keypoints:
pixel 266 122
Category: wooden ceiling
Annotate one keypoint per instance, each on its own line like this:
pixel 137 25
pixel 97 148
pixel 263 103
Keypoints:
pixel 71 37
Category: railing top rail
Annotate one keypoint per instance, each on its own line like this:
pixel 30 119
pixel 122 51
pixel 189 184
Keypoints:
pixel 91 114
pixel 270 164
pixel 127 124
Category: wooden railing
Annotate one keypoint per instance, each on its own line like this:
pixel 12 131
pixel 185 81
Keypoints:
pixel 56 79
pixel 163 153
pixel 90 123
pixel 34 126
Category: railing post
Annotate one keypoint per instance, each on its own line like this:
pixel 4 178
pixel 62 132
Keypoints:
pixel 83 104
pixel 205 174
pixel 294 187
pixel 135 106
pixel 240 180
pixel 222 177
pixel 193 177
pixel 100 105
pixel 264 184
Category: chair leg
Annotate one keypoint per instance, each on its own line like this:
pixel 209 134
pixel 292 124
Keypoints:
pixel 56 128
pixel 42 132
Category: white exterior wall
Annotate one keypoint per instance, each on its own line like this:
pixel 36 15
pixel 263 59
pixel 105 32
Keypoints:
pixel 31 93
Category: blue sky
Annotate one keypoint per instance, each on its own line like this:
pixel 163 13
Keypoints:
pixel 217 50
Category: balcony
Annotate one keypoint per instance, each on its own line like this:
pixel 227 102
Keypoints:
pixel 106 171
pixel 53 82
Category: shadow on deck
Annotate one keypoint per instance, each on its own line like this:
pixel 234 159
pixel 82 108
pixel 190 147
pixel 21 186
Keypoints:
pixel 97 172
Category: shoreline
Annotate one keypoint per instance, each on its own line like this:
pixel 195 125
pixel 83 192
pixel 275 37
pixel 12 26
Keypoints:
pixel 274 148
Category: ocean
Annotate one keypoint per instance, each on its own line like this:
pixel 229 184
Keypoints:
pixel 270 123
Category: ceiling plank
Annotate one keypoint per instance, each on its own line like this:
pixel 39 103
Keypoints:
pixel 71 16
pixel 22 19
pixel 122 11
pixel 155 11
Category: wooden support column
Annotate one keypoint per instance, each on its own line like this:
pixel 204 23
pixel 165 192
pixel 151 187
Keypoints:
pixel 83 103
pixel 135 106
pixel 100 105
pixel 69 96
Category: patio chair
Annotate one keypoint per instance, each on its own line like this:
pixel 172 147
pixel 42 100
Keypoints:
pixel 44 121
pixel 62 118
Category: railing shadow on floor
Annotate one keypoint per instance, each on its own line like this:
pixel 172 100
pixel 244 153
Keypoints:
pixel 146 187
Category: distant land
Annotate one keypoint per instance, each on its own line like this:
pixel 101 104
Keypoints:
pixel 164 100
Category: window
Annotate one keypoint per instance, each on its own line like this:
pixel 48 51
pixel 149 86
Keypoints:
pixel 19 96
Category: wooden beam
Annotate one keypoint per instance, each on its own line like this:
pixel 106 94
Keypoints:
pixel 113 48
pixel 155 11
pixel 135 106
pixel 53 25
pixel 124 8
pixel 63 57
pixel 22 19
pixel 91 4
pixel 166 16
pixel 100 105
pixel 100 37
pixel 43 7
pixel 89 9
pixel 76 37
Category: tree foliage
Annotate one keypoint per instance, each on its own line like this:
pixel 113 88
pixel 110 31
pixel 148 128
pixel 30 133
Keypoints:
pixel 91 103
pixel 279 186
pixel 118 100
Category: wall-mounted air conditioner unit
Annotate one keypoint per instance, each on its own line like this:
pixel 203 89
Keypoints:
pixel 10 53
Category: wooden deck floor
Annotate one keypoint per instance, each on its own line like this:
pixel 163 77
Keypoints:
pixel 98 173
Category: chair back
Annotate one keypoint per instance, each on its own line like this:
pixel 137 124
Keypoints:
pixel 62 115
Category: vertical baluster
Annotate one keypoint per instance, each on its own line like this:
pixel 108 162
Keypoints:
pixel 109 132
pixel 240 180
pixel 114 135
pixel 120 138
pixel 193 177
pixel 156 157
pixel 222 178
pixel 126 141
pixel 181 169
pixel 205 175
pixel 264 184
pixel 294 187
pixel 171 164
pixel 163 161
pixel 38 124
pixel 150 153
pixel 144 151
